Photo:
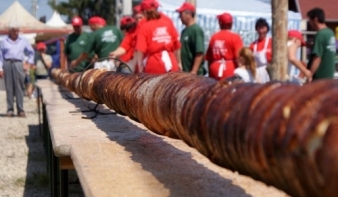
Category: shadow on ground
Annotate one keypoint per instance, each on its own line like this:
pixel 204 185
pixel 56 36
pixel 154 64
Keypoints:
pixel 36 182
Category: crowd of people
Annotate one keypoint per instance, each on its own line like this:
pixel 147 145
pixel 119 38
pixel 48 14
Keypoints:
pixel 149 42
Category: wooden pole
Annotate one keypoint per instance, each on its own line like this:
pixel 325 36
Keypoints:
pixel 278 67
pixel 62 54
pixel 194 2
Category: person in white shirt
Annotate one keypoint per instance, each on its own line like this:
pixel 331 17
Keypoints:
pixel 295 41
pixel 247 69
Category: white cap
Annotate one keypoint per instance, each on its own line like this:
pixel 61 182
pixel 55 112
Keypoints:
pixel 14 24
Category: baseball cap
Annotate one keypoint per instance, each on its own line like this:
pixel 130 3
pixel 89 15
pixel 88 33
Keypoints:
pixel 77 21
pixel 96 20
pixel 225 18
pixel 186 7
pixel 126 20
pixel 149 4
pixel 41 45
pixel 137 9
pixel 298 35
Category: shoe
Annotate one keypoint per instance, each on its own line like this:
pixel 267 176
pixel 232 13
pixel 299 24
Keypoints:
pixel 22 114
pixel 10 114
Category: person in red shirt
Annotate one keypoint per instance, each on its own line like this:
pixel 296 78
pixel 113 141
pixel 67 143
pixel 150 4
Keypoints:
pixel 128 24
pixel 126 50
pixel 223 49
pixel 137 13
pixel 156 42
pixel 262 49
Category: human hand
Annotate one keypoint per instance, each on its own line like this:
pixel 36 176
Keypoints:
pixel 112 55
pixel 1 74
pixel 308 75
pixel 73 64
pixel 193 72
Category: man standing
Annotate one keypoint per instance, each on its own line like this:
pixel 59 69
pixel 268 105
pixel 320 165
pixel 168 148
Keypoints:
pixel 75 45
pixel 12 54
pixel 322 60
pixel 103 40
pixel 192 40
pixel 223 50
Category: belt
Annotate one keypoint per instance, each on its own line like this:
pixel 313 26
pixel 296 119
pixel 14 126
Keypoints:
pixel 13 60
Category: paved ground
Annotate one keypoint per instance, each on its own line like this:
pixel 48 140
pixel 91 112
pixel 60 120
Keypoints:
pixel 22 158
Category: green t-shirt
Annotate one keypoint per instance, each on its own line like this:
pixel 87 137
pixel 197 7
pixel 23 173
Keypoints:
pixel 74 47
pixel 104 40
pixel 192 40
pixel 325 48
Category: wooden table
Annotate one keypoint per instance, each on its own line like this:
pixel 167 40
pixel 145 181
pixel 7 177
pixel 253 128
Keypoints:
pixel 115 156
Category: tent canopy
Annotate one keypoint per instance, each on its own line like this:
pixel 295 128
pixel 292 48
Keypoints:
pixel 56 20
pixel 17 14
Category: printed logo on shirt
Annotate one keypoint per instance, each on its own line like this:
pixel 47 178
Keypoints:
pixel 82 42
pixel 332 44
pixel 161 35
pixel 108 36
pixel 218 47
pixel 186 38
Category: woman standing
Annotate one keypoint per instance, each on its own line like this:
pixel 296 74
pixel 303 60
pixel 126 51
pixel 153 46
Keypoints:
pixel 262 49
pixel 156 42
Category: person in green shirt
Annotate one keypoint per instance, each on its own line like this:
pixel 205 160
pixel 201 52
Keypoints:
pixel 75 45
pixel 103 40
pixel 192 40
pixel 322 60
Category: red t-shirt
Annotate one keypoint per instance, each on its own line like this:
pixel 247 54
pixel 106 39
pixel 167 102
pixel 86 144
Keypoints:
pixel 260 47
pixel 153 37
pixel 225 45
pixel 128 44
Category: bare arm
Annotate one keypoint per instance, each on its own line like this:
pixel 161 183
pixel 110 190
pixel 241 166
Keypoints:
pixel 315 64
pixel 197 63
pixel 292 52
pixel 139 59
pixel 82 57
pixel 47 61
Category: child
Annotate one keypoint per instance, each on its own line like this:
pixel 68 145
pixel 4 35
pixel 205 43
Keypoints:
pixel 247 68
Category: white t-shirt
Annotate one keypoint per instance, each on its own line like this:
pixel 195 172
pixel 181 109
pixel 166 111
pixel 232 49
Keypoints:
pixel 245 74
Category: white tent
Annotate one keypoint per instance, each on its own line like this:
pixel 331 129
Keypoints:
pixel 245 14
pixel 27 22
pixel 56 20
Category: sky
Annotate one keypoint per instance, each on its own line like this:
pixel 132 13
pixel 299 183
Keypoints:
pixel 43 7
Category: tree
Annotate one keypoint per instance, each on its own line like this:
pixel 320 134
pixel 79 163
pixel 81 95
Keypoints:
pixel 277 69
pixel 86 9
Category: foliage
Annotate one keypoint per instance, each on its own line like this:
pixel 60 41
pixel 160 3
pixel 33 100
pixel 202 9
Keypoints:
pixel 86 9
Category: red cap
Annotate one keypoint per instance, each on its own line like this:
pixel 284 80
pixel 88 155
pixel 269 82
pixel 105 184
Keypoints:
pixel 298 35
pixel 77 21
pixel 96 20
pixel 137 9
pixel 41 45
pixel 186 7
pixel 127 20
pixel 149 4
pixel 225 18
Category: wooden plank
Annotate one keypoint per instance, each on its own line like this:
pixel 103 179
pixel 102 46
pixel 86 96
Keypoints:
pixel 66 163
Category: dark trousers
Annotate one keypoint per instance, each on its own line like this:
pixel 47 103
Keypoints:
pixel 15 84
